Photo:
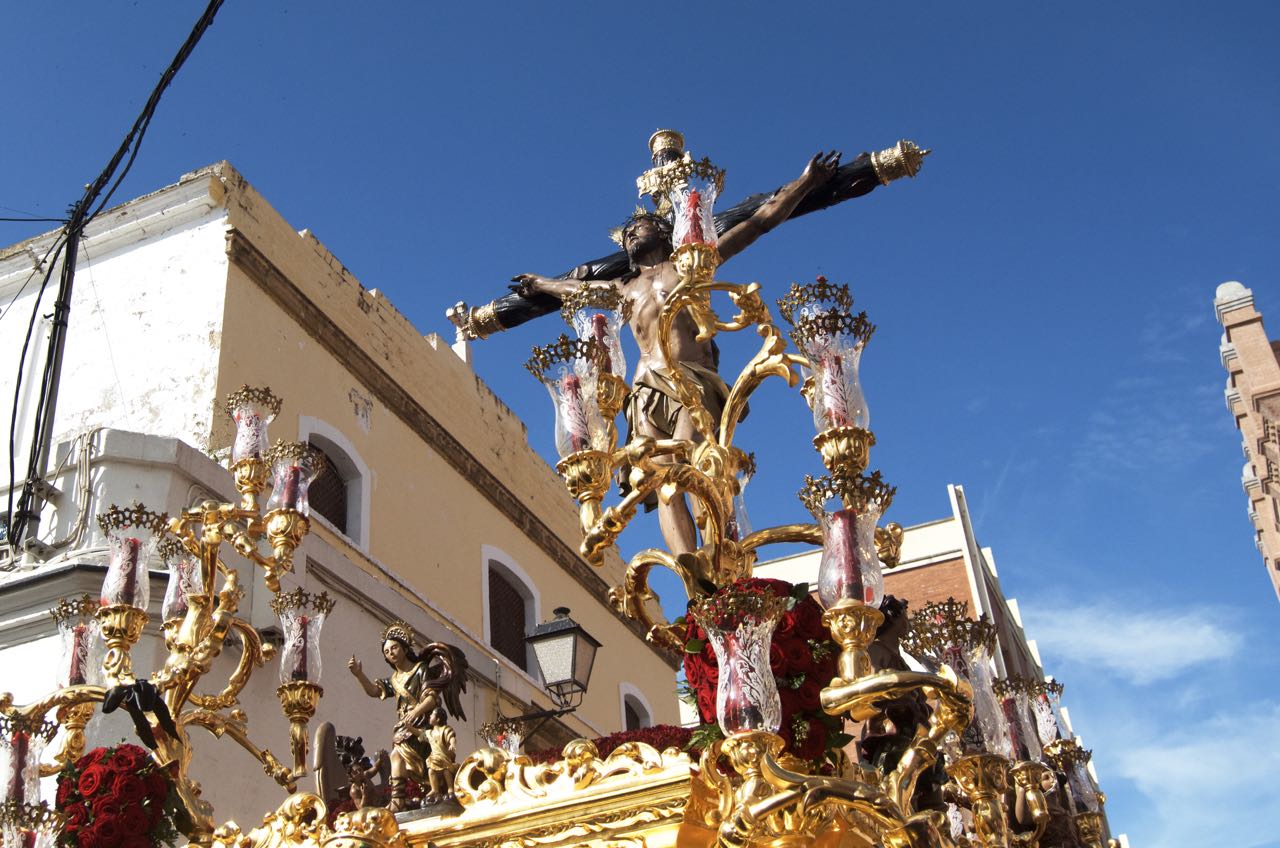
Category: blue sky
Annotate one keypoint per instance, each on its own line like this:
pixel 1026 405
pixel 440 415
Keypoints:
pixel 1043 290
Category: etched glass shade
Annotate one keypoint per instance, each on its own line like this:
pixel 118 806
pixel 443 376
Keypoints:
pixel 302 615
pixel 294 466
pixel 1047 704
pixel 847 510
pixel 132 534
pixel 739 526
pixel 80 660
pixel 832 339
pixel 184 579
pixel 21 743
pixel 570 369
pixel 252 410
pixel 692 204
pixel 739 626
pixel 599 313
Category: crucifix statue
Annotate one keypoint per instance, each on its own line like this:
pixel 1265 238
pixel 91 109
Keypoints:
pixel 643 274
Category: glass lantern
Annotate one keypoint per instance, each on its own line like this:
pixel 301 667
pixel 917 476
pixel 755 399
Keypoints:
pixel 570 371
pixel 1015 704
pixel 739 624
pixel 943 633
pixel 832 339
pixel 132 534
pixel 252 410
pixel 80 661
pixel 847 509
pixel 1047 705
pixel 294 466
pixel 22 741
pixel 185 579
pixel 302 615
pixel 599 313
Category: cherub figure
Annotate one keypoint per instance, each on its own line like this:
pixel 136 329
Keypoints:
pixel 442 762
pixel 361 773
pixel 421 682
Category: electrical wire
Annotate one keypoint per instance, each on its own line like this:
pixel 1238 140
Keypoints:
pixel 79 218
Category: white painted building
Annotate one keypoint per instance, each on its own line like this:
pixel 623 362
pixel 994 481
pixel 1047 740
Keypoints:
pixel 447 518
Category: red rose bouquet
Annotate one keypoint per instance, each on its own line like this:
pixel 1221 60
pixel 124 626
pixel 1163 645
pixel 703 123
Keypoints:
pixel 116 798
pixel 802 658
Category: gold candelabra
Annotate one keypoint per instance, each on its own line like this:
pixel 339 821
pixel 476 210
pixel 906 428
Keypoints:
pixel 200 614
pixel 764 799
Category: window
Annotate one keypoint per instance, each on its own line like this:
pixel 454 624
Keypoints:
pixel 635 709
pixel 340 495
pixel 328 494
pixel 507 620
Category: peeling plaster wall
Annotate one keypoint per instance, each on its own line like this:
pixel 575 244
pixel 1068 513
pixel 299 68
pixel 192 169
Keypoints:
pixel 144 335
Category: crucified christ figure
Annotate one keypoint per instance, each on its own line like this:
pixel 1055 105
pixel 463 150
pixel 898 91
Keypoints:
pixel 653 407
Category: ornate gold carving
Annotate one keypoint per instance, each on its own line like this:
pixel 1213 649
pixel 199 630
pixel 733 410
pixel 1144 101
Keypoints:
pixel 1030 778
pixel 807 295
pixel 262 396
pixel 845 450
pixel 593 295
pixel 134 515
pixel 483 322
pixel 817 326
pixel 657 182
pixel 889 544
pixel 938 627
pixel 904 159
pixel 121 627
pixel 69 609
pixel 368 827
pixel 664 140
pixel 1089 826
pixel 298 699
pixel 39 817
pixel 854 492
pixel 853 626
pixel 562 351
pixel 984 778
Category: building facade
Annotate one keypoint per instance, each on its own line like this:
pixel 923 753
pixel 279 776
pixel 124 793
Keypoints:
pixel 1252 362
pixel 435 510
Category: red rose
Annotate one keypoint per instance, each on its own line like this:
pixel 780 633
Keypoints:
pixel 76 815
pixel 707 705
pixel 809 620
pixel 94 756
pixel 799 657
pixel 104 831
pixel 777 659
pixel 90 779
pixel 129 789
pixel 129 758
pixel 791 703
pixel 66 787
pixel 134 820
pixel 810 692
pixel 137 840
pixel 825 668
pixel 157 786
pixel 786 626
pixel 105 805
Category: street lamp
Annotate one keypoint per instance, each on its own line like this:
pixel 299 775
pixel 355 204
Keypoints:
pixel 565 654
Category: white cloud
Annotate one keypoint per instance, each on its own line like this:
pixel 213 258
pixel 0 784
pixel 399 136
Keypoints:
pixel 1209 782
pixel 1141 646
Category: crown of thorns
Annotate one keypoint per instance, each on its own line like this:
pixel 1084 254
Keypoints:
pixel 640 214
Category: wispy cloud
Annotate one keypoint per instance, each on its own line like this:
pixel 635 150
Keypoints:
pixel 1209 782
pixel 1142 646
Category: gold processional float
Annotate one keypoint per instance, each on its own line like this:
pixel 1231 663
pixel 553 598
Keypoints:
pixel 970 761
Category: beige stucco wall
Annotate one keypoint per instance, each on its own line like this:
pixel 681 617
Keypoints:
pixel 428 522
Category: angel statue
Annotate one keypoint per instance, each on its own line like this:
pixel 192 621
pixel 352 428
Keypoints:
pixel 421 682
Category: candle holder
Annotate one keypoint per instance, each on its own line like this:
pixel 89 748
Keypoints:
pixel 252 410
pixel 185 582
pixel 587 397
pixel 81 665
pixel 29 825
pixel 132 533
pixel 302 615
pixel 294 465
pixel 847 509
pixel 598 313
pixel 1031 777
pixel 943 634
pixel 984 778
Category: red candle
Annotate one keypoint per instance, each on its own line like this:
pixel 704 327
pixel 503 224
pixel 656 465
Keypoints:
pixel 123 583
pixel 79 652
pixel 1010 709
pixel 289 483
pixel 572 415
pixel 17 789
pixel 600 330
pixel 693 213
pixel 299 671
pixel 833 392
pixel 842 547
